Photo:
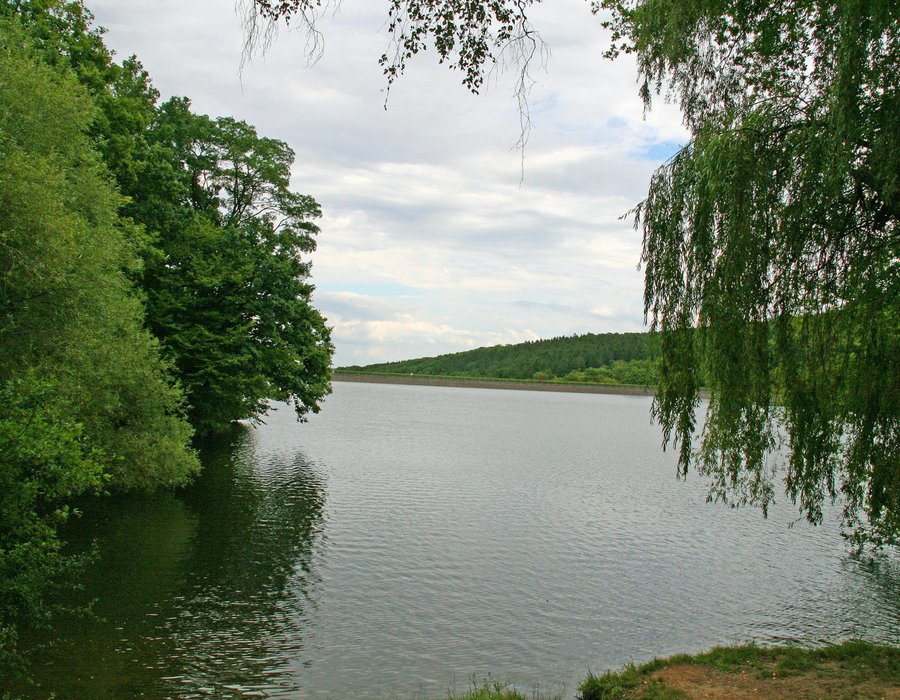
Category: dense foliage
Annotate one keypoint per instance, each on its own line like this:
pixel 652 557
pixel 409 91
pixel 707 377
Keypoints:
pixel 226 282
pixel 82 386
pixel 773 231
pixel 606 358
pixel 221 236
pixel 151 285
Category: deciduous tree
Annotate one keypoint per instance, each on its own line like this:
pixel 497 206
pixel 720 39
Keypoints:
pixel 86 402
pixel 227 279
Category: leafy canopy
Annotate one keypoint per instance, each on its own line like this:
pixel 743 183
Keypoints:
pixel 774 233
pixel 86 402
pixel 226 277
pixel 770 242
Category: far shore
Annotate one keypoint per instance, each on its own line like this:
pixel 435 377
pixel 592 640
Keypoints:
pixel 492 384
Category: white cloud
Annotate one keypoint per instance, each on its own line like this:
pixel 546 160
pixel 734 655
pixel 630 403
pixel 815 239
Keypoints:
pixel 431 241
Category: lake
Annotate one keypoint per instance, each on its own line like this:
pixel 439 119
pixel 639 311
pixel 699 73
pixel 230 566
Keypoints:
pixel 409 538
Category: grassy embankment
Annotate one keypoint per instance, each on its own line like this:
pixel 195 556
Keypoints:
pixel 343 374
pixel 849 670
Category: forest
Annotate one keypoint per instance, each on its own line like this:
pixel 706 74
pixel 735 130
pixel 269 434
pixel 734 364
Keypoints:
pixel 601 358
pixel 154 286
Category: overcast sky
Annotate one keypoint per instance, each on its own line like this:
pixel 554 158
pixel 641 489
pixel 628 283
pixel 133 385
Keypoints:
pixel 431 239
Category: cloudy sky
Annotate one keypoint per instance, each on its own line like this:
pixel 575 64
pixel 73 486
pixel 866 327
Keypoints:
pixel 433 239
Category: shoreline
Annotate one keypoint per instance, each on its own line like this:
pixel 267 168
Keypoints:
pixel 517 385
pixel 851 669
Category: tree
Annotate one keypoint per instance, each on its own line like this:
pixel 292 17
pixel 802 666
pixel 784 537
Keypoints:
pixel 226 283
pixel 70 315
pixel 86 401
pixel 217 221
pixel 770 242
pixel 774 234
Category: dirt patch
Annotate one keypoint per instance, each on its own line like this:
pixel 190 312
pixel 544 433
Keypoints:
pixel 827 681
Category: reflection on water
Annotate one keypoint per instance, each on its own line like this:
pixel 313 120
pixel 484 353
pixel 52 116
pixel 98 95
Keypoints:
pixel 201 593
pixel 409 537
pixel 242 615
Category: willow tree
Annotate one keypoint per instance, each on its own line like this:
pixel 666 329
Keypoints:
pixel 770 243
pixel 774 234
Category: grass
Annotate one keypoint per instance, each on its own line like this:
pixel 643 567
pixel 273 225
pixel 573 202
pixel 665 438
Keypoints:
pixel 852 669
pixel 491 689
pixel 849 670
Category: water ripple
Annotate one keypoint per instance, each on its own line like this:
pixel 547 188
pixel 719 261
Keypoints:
pixel 410 537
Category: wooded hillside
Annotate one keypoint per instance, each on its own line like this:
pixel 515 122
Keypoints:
pixel 607 358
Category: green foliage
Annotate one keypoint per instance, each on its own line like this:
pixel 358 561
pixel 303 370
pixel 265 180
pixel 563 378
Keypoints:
pixel 83 391
pixel 775 233
pixel 629 372
pixel 226 283
pixel 44 461
pixel 69 313
pixel 60 32
pixel 607 358
pixel 218 252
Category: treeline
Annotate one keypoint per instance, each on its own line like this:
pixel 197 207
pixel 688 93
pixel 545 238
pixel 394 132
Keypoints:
pixel 605 358
pixel 153 285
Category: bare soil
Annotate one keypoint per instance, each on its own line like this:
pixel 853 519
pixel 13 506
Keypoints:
pixel 828 681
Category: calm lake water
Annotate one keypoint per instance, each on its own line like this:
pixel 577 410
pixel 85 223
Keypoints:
pixel 409 537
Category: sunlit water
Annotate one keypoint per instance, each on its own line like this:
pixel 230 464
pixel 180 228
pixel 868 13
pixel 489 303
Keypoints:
pixel 409 538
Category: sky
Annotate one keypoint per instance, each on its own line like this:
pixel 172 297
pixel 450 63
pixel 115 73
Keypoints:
pixel 436 235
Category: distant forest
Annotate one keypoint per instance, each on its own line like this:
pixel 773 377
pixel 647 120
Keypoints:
pixel 605 358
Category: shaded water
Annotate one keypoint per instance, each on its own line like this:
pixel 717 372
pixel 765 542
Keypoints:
pixel 410 537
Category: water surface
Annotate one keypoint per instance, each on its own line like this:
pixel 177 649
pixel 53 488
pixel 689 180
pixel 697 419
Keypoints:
pixel 407 538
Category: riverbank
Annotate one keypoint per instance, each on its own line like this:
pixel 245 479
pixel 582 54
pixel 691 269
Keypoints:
pixel 849 670
pixel 468 383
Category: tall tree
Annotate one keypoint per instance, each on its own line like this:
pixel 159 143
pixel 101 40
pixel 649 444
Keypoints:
pixel 227 281
pixel 86 402
pixel 772 233
pixel 217 223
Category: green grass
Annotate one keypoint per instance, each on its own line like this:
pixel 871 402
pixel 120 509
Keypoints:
pixel 624 683
pixel 489 693
pixel 857 661
pixel 491 689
